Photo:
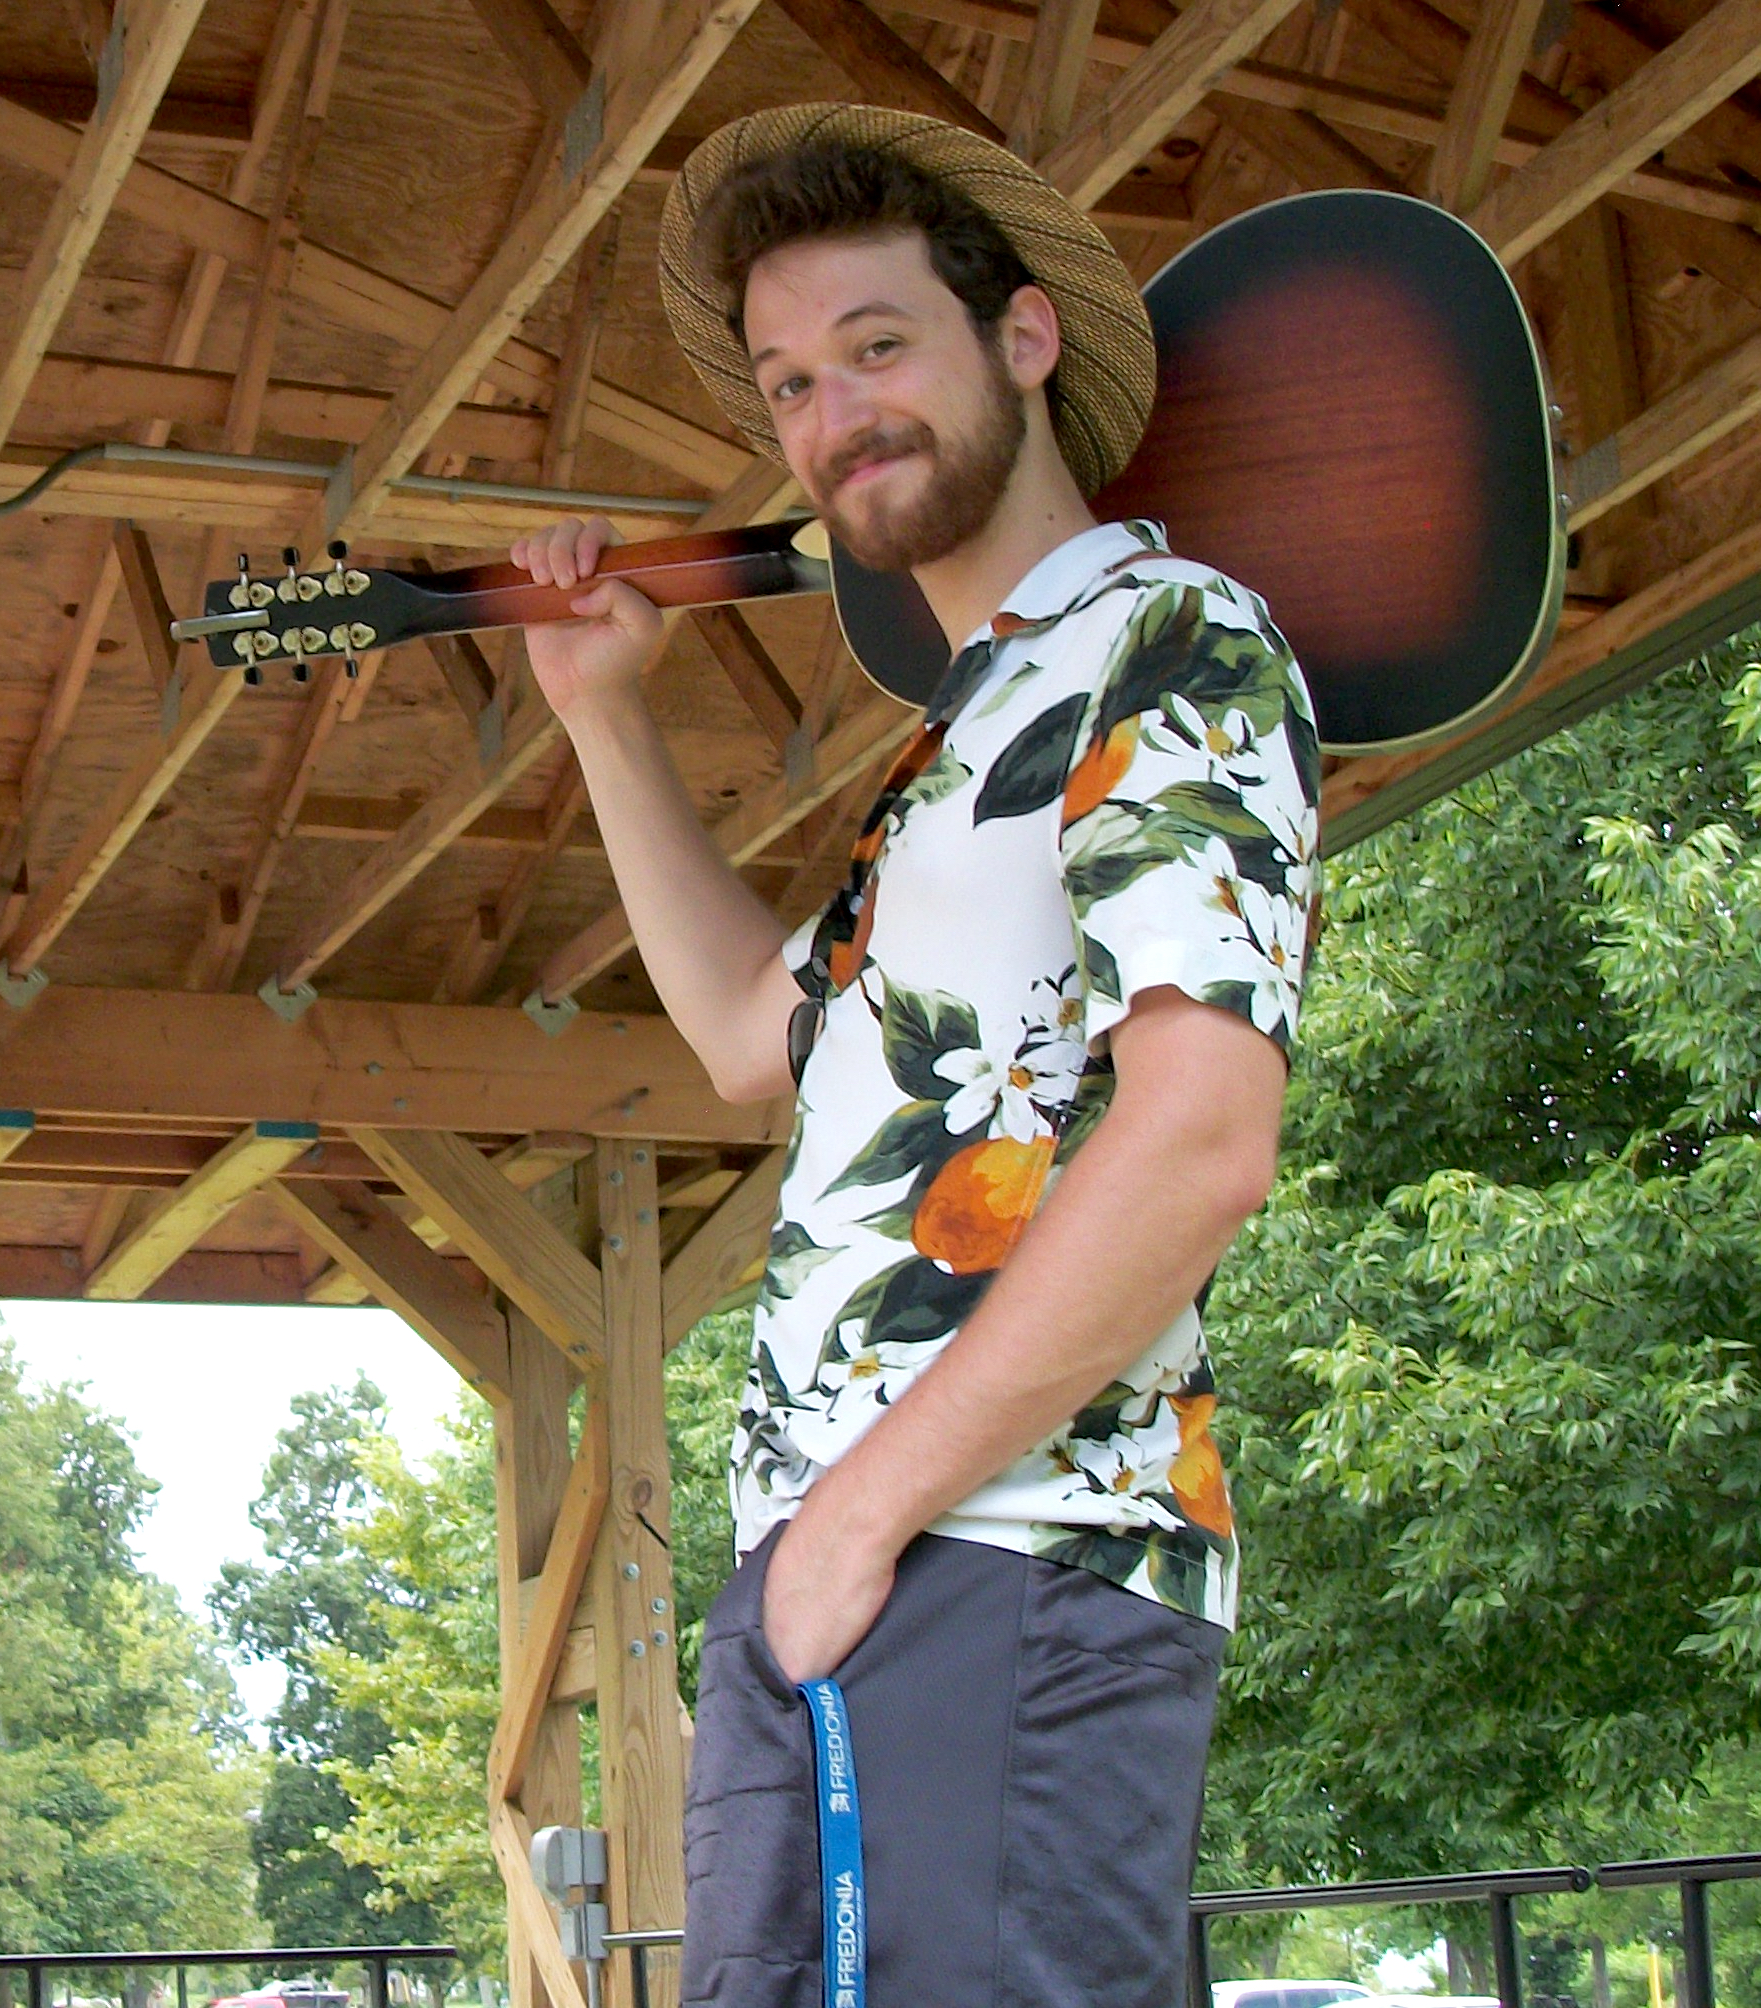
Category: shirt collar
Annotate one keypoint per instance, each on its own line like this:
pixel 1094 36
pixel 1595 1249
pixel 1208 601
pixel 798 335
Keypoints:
pixel 1064 574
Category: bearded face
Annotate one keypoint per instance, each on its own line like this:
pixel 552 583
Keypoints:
pixel 945 493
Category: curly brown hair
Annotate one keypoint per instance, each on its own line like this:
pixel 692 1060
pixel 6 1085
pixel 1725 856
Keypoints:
pixel 832 188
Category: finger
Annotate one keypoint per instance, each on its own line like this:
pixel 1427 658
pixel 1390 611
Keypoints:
pixel 560 544
pixel 517 553
pixel 590 539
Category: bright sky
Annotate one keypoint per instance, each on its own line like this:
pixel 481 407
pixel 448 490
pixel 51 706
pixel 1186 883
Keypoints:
pixel 203 1389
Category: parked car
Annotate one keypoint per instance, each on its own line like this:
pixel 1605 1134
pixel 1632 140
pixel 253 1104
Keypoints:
pixel 1287 1993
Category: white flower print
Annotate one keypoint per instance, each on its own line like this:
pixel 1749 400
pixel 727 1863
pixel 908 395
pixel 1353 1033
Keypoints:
pixel 1231 748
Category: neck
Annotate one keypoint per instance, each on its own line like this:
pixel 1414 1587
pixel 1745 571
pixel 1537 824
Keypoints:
pixel 1041 508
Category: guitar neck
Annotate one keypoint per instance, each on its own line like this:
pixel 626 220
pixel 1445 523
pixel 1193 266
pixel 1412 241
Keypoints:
pixel 702 569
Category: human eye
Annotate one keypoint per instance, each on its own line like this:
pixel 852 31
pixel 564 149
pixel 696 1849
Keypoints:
pixel 881 345
pixel 787 389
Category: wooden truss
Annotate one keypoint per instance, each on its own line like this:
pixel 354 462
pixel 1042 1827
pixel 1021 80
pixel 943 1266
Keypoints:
pixel 217 249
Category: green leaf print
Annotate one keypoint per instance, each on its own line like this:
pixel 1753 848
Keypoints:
pixel 1029 772
pixel 1099 1421
pixel 794 1255
pixel 911 1303
pixel 1100 971
pixel 1176 1564
pixel 910 1139
pixel 1168 646
pixel 765 1366
pixel 944 776
pixel 1117 1557
pixel 917 1028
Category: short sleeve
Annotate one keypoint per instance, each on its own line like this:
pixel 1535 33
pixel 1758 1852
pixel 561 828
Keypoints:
pixel 1190 820
pixel 798 954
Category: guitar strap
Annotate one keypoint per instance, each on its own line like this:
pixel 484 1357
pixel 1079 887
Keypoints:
pixel 845 1955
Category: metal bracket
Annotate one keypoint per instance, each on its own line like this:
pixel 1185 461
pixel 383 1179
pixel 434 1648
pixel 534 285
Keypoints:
pixel 339 491
pixel 110 61
pixel 291 1005
pixel 584 128
pixel 551 1019
pixel 571 1865
pixel 21 990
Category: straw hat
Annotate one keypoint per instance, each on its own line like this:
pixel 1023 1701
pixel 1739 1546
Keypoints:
pixel 1107 368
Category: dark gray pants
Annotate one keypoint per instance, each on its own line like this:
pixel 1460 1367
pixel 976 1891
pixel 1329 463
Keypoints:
pixel 1029 1744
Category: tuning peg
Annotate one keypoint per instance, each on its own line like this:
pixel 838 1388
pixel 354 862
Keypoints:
pixel 302 670
pixel 351 667
pixel 253 675
pixel 240 596
pixel 289 588
pixel 336 579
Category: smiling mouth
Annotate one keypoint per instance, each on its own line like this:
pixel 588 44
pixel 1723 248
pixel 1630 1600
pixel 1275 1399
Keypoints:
pixel 869 468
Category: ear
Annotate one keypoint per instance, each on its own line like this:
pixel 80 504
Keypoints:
pixel 1030 339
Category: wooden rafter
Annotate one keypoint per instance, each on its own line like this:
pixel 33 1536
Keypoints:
pixel 1165 83
pixel 883 66
pixel 1056 58
pixel 481 950
pixel 144 1254
pixel 654 63
pixel 153 37
pixel 855 745
pixel 1719 54
pixel 553 63
pixel 356 1228
pixel 191 1056
pixel 768 693
pixel 712 1262
pixel 1461 167
pixel 520 1252
pixel 572 400
pixel 147 600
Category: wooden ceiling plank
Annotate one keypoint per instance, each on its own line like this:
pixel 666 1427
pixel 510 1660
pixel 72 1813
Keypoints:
pixel 1666 435
pixel 108 1053
pixel 108 1213
pixel 1306 148
pixel 883 66
pixel 147 601
pixel 844 753
pixel 522 1254
pixel 1719 54
pixel 144 1254
pixel 204 122
pixel 719 1253
pixel 653 65
pixel 555 67
pixel 1602 364
pixel 1461 168
pixel 153 36
pixel 1057 55
pixel 481 951
pixel 232 924
pixel 356 1228
pixel 1166 82
pixel 767 692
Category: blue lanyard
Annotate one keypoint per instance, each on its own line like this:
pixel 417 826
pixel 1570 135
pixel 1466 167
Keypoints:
pixel 840 1847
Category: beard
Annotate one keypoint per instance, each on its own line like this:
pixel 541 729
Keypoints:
pixel 967 478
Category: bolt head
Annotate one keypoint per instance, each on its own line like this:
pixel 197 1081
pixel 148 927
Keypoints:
pixel 631 1572
pixel 637 1648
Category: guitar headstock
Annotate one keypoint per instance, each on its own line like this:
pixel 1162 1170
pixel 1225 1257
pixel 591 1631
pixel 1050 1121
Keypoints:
pixel 298 617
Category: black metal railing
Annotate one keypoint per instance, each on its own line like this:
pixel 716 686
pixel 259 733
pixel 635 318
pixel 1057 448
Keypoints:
pixel 1500 1892
pixel 376 1960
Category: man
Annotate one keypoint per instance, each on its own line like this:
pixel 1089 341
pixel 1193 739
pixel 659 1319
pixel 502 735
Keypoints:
pixel 1042 1034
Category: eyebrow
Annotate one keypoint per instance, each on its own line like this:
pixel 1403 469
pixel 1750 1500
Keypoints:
pixel 868 307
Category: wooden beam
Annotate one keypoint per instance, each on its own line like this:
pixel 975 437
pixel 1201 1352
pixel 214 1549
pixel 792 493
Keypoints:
pixel 854 745
pixel 1602 366
pixel 1666 435
pixel 232 922
pixel 141 1257
pixel 1306 148
pixel 1718 55
pixel 108 1213
pixel 552 1608
pixel 380 877
pixel 1177 70
pixel 555 67
pixel 510 1841
pixel 146 41
pixel 768 693
pixel 572 401
pixel 883 66
pixel 1056 58
pixel 460 659
pixel 203 122
pixel 54 1274
pixel 712 1262
pixel 641 1758
pixel 103 1053
pixel 147 601
pixel 357 1229
pixel 1461 168
pixel 481 951
pixel 654 63
pixel 520 1252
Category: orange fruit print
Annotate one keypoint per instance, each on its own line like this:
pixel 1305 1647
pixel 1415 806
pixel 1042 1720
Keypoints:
pixel 1099 771
pixel 974 1211
pixel 1196 1475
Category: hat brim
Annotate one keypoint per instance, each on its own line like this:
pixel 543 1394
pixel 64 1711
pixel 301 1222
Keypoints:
pixel 1106 377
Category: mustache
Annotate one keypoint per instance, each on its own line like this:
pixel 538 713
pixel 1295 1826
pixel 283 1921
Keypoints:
pixel 877 444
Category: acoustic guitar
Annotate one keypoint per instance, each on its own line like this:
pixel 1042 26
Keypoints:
pixel 1352 418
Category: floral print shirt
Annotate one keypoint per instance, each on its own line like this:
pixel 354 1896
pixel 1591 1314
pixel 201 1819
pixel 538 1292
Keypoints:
pixel 1123 794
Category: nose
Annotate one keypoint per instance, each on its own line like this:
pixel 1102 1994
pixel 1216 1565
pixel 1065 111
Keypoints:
pixel 844 408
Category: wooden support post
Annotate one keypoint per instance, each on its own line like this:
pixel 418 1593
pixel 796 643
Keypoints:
pixel 143 1256
pixel 532 1465
pixel 642 1773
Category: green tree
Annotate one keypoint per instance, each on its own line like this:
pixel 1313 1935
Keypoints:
pixel 1489 1346
pixel 125 1780
pixel 318 1591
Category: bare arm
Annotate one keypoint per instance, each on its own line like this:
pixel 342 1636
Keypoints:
pixel 708 942
pixel 1185 1153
